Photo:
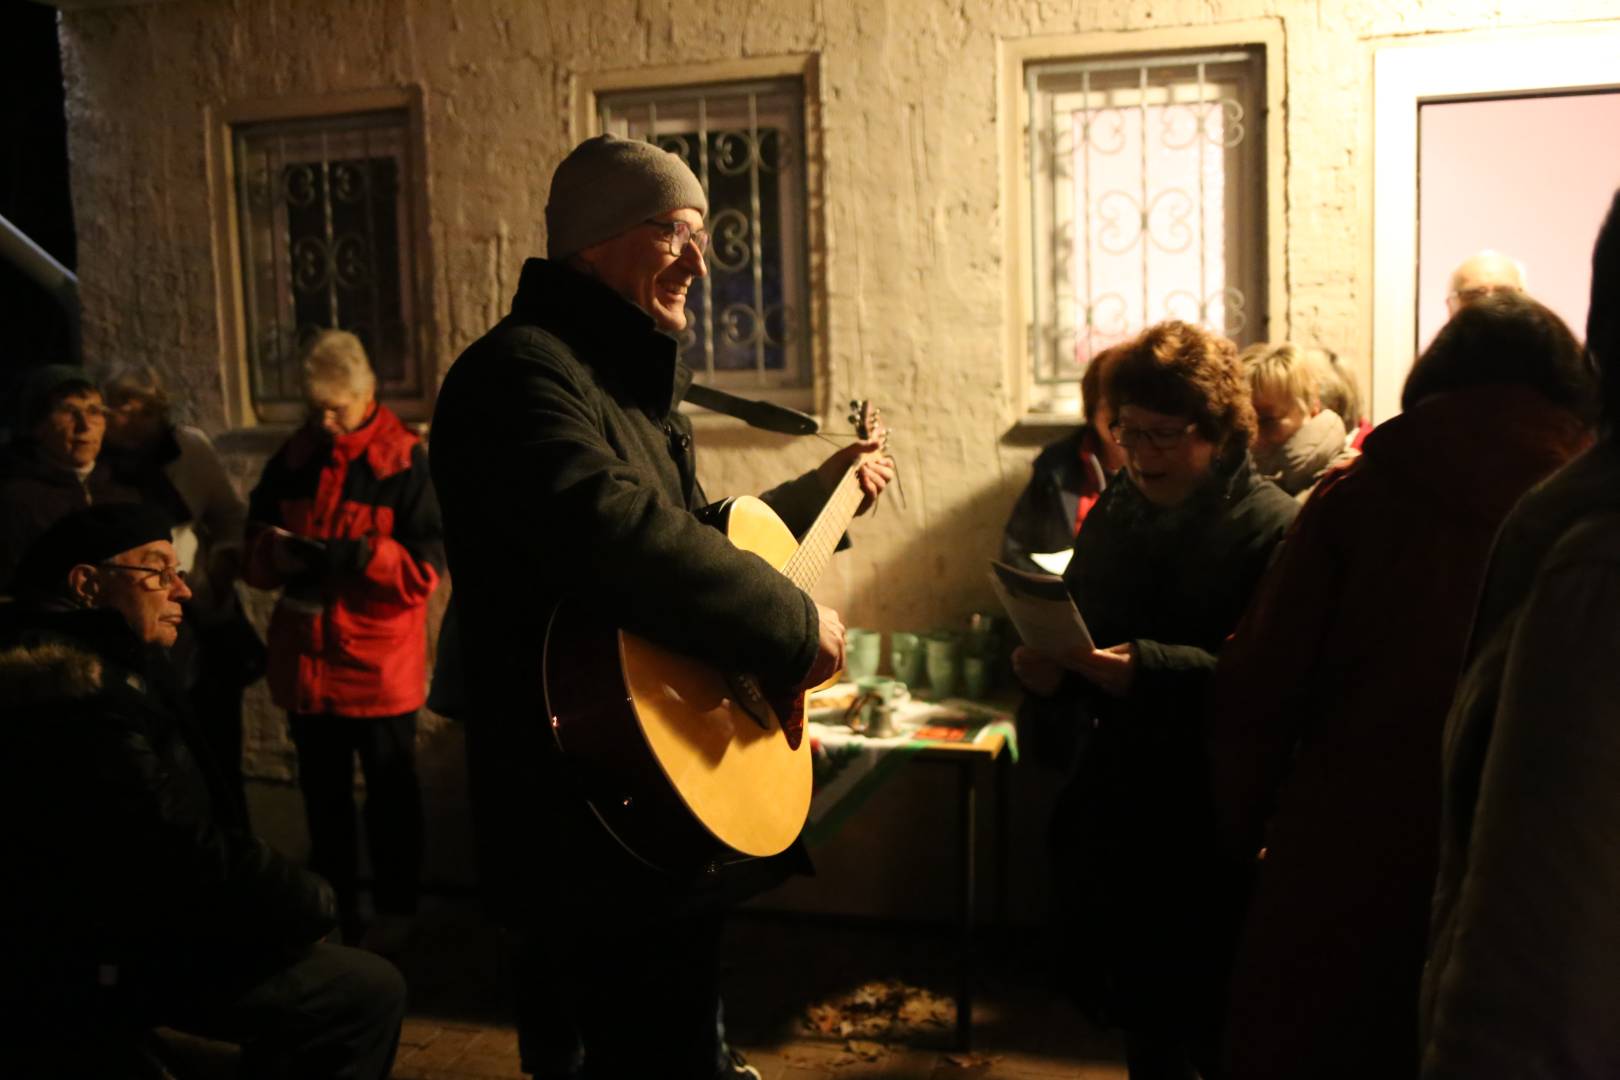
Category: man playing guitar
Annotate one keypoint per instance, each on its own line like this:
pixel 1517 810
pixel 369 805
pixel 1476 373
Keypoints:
pixel 566 475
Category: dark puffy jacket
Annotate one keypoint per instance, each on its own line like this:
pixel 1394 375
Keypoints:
pixel 350 637
pixel 128 862
pixel 566 471
pixel 1132 836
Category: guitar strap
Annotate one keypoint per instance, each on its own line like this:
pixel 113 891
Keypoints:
pixel 760 414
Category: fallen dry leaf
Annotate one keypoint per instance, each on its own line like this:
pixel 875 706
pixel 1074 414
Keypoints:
pixel 880 1010
pixel 866 1051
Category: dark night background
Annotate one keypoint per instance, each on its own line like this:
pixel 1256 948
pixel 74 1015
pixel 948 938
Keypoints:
pixel 34 192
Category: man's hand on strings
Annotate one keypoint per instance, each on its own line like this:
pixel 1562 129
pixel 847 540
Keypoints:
pixel 873 474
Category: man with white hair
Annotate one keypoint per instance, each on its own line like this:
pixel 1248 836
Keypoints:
pixel 345 522
pixel 1481 274
pixel 567 470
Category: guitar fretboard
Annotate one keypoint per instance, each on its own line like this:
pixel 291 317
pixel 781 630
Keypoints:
pixel 805 567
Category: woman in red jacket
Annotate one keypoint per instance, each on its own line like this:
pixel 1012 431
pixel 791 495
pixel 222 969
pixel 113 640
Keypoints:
pixel 344 520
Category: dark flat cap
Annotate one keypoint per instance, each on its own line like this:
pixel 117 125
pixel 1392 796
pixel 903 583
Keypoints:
pixel 88 536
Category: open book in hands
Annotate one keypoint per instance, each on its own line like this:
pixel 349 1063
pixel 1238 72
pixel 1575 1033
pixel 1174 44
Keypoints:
pixel 1040 607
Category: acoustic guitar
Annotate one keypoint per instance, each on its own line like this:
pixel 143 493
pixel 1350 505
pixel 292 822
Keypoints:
pixel 687 766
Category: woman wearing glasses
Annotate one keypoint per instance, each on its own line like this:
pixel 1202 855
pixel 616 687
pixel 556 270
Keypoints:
pixel 51 466
pixel 1163 567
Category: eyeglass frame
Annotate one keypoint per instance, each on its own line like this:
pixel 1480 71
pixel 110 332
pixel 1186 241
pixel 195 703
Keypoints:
pixel 672 231
pixel 1158 438
pixel 167 576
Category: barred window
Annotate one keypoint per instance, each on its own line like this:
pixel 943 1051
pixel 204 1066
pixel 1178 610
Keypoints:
pixel 323 220
pixel 1147 185
pixel 747 321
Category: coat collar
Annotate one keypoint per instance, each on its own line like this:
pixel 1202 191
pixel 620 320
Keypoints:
pixel 1477 449
pixel 383 440
pixel 606 332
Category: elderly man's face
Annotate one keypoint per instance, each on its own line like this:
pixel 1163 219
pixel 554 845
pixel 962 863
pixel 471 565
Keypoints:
pixel 70 433
pixel 639 265
pixel 144 586
pixel 1479 276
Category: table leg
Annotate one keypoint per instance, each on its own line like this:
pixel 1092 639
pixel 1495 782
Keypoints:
pixel 967 806
pixel 1003 767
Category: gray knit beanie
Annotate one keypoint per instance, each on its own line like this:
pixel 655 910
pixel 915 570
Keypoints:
pixel 608 185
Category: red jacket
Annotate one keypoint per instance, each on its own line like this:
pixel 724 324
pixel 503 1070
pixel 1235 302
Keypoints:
pixel 349 636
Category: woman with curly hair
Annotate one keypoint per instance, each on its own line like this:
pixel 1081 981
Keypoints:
pixel 1162 569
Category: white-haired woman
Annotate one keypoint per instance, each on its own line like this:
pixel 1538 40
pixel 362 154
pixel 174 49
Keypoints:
pixel 345 522
pixel 176 468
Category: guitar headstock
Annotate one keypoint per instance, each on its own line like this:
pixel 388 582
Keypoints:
pixel 868 421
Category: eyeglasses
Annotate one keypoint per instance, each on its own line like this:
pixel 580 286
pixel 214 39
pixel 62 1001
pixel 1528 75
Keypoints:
pixel 153 578
pixel 1163 438
pixel 678 234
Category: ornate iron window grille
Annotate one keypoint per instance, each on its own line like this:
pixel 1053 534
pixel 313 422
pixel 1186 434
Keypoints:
pixel 746 321
pixel 323 213
pixel 1147 196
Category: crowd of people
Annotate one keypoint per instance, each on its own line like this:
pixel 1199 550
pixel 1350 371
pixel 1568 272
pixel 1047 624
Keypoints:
pixel 1345 750
pixel 1337 781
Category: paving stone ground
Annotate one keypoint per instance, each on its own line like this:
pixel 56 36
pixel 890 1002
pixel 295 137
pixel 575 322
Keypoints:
pixel 775 969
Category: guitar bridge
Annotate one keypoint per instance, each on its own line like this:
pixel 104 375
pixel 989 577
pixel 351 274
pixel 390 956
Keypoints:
pixel 745 691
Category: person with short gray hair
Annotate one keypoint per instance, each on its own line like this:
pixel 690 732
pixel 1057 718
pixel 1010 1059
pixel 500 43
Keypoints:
pixel 567 470
pixel 345 522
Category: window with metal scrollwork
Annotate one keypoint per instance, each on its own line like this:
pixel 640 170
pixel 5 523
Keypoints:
pixel 747 324
pixel 1147 180
pixel 323 212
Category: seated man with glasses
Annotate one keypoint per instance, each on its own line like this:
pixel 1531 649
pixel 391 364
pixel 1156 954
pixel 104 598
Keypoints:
pixel 51 467
pixel 139 898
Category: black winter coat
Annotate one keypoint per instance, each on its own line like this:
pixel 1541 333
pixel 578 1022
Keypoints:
pixel 1132 833
pixel 1066 473
pixel 565 471
pixel 126 853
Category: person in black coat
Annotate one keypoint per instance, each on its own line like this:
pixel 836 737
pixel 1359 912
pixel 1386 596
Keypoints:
pixel 1069 476
pixel 565 470
pixel 139 898
pixel 1162 570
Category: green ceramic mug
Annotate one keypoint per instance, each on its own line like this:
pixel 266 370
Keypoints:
pixel 863 649
pixel 906 657
pixel 942 663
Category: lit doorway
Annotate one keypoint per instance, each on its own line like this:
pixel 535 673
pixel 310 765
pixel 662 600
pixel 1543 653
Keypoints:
pixel 1483 142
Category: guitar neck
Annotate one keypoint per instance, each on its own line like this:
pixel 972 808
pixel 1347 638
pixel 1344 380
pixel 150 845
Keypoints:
pixel 805 567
